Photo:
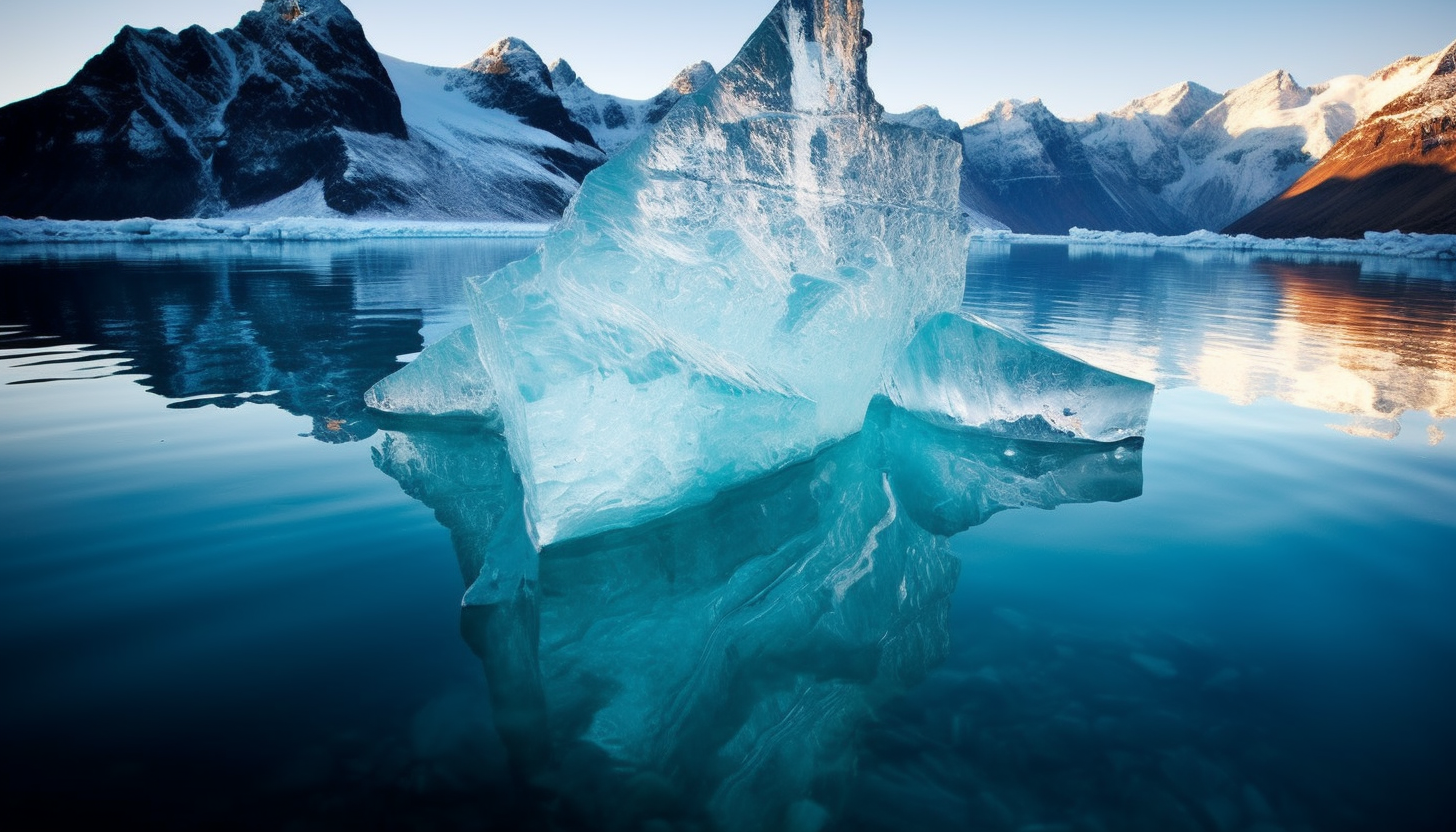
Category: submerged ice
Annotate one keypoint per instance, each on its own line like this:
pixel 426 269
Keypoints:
pixel 722 298
pixel 717 668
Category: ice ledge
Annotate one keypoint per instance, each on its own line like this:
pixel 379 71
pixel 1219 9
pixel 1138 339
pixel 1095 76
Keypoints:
pixel 14 231
pixel 1374 243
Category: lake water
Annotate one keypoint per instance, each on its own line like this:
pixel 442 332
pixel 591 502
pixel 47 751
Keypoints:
pixel 232 598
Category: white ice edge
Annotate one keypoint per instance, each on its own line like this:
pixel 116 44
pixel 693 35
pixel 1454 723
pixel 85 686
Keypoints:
pixel 1374 243
pixel 252 231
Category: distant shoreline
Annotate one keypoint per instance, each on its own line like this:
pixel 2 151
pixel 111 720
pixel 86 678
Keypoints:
pixel 313 229
pixel 1373 244
pixel 284 229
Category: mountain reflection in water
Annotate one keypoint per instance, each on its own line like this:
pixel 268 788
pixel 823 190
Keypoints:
pixel 724 660
pixel 1369 339
pixel 306 327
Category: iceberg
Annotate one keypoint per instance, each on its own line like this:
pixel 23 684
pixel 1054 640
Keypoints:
pixel 727 294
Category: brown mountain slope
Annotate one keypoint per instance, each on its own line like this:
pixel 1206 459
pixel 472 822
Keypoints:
pixel 1396 170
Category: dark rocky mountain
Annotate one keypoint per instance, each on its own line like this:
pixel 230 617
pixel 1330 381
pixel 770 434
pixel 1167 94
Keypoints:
pixel 286 115
pixel 1396 170
pixel 167 125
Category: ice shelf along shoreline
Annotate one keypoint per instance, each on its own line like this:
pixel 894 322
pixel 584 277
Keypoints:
pixel 313 229
pixel 310 229
pixel 1373 244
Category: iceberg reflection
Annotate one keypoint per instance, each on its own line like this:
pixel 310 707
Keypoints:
pixel 718 664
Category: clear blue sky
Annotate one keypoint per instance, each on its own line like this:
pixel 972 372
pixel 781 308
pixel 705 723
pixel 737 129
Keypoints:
pixel 962 56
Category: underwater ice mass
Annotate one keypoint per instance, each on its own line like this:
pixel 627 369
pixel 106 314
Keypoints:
pixel 728 294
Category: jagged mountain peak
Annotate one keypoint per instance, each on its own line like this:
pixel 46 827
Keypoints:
pixel 1182 103
pixel 613 121
pixel 1395 169
pixel 1010 109
pixel 282 19
pixel 198 123
pixel 929 119
pixel 562 75
pixel 1277 88
pixel 1387 72
pixel 512 56
pixel 1433 98
pixel 1446 64
pixel 297 11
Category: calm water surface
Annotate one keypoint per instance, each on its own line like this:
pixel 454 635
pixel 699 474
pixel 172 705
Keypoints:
pixel 232 598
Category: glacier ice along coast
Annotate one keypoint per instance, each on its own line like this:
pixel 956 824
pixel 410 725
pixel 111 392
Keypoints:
pixel 727 295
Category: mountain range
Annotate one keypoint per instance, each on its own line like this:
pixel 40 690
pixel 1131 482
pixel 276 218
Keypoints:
pixel 287 115
pixel 300 116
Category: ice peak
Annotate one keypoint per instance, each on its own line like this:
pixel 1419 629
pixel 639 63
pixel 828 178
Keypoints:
pixel 808 57
pixel 724 296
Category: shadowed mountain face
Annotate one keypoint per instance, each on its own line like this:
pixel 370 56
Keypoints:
pixel 295 116
pixel 1030 170
pixel 1395 171
pixel 169 125
pixel 1414 198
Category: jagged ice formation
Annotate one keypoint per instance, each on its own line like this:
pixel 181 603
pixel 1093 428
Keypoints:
pixel 723 298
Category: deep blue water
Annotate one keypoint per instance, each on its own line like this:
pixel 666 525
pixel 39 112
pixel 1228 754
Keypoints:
pixel 230 598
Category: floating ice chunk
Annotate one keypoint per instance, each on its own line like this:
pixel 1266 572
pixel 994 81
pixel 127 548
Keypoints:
pixel 445 380
pixel 243 230
pixel 965 371
pixel 726 296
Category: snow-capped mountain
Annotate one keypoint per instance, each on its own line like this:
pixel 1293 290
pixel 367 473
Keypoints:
pixel 489 140
pixel 1030 170
pixel 184 124
pixel 1395 170
pixel 614 121
pixel 1180 159
pixel 286 115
